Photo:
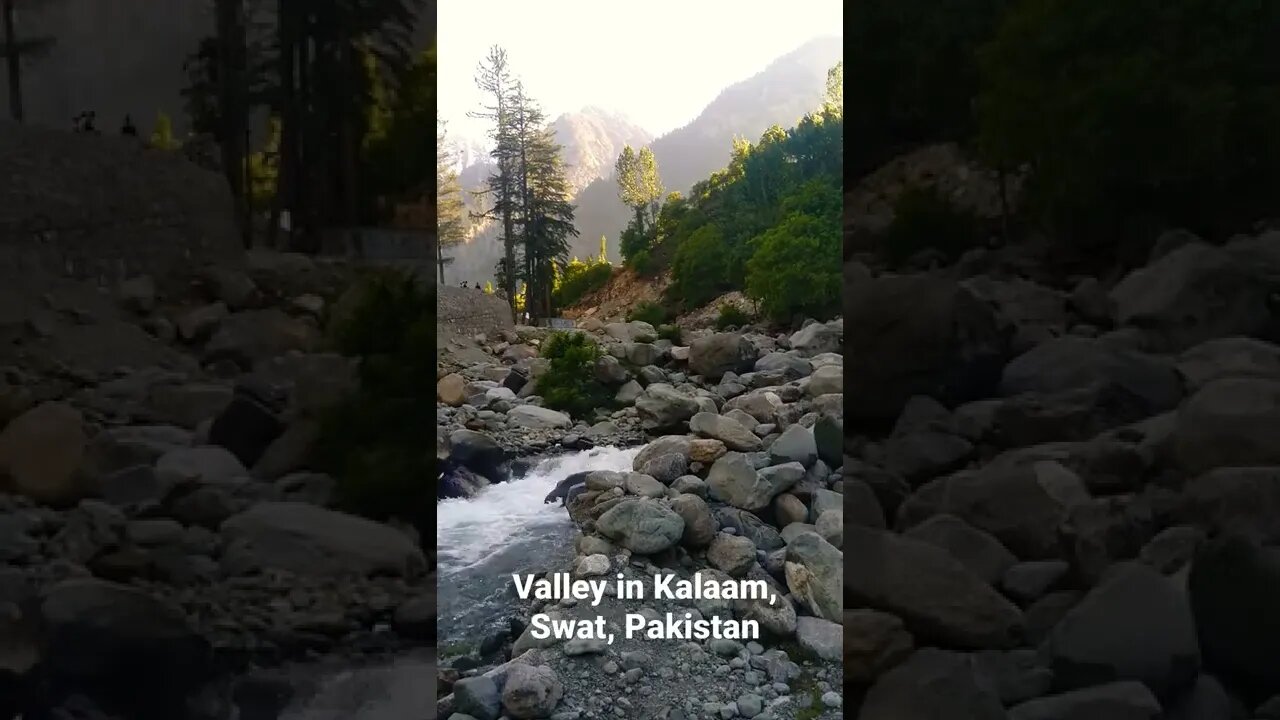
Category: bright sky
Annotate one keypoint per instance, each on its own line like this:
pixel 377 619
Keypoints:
pixel 659 62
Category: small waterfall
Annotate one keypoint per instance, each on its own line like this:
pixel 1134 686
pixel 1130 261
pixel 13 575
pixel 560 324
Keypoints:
pixel 505 529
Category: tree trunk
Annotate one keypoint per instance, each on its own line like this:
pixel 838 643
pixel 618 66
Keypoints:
pixel 233 75
pixel 287 109
pixel 13 59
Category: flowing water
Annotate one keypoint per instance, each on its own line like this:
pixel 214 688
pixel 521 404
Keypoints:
pixel 505 529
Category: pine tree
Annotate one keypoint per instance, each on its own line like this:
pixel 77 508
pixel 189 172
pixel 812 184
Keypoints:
pixel 494 78
pixel 14 50
pixel 548 219
pixel 450 223
pixel 604 249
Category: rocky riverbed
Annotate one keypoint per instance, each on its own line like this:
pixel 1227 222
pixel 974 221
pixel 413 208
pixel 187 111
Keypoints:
pixel 166 540
pixel 1061 496
pixel 737 476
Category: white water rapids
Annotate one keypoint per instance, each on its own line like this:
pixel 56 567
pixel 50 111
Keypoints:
pixel 505 529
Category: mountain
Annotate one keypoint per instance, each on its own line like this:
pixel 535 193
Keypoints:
pixel 780 94
pixel 592 140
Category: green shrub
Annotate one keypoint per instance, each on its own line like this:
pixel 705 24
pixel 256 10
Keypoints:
pixel 649 312
pixel 923 219
pixel 371 442
pixel 670 332
pixel 643 264
pixel 796 268
pixel 579 279
pixel 731 316
pixel 569 383
pixel 700 268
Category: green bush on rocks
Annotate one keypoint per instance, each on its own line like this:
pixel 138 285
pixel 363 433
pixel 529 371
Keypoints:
pixel 569 383
pixel 372 442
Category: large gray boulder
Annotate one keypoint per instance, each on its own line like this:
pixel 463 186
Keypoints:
pixel 1075 363
pixel 918 335
pixel 937 597
pixel 1136 625
pixel 732 433
pixel 1114 701
pixel 1021 505
pixel 1229 422
pixel 102 633
pixel 734 480
pixel 312 541
pixel 815 575
pixel 935 684
pixel 641 525
pixel 1234 586
pixel 661 406
pixel 1199 292
pixel 714 355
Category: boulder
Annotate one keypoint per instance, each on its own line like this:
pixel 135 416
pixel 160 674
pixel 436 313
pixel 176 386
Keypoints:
pixel 249 423
pixel 726 430
pixel 826 380
pixel 247 337
pixel 918 335
pixel 1232 357
pixel 661 406
pixel 1113 701
pixel 1234 587
pixel 1136 625
pixel 642 526
pixel 1195 293
pixel 935 684
pixel 476 451
pixel 795 444
pixel 714 355
pixel 699 526
pixel 1244 500
pixel 1075 363
pixel 41 452
pixel 732 554
pixel 978 551
pixel 312 541
pixel 452 390
pixel 123 639
pixel 936 596
pixel 1231 422
pixel 815 576
pixel 1021 505
pixel 874 641
pixel 816 338
pixel 531 691
pixel 734 480
pixel 533 416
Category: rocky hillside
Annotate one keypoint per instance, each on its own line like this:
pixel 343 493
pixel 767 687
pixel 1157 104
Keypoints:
pixel 166 536
pixel 1061 497
pixel 739 477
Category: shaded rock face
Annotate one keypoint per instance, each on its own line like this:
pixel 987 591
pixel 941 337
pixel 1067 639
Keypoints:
pixel 1234 585
pixel 137 651
pixel 917 335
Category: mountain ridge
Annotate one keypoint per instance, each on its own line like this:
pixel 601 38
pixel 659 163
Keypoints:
pixel 779 94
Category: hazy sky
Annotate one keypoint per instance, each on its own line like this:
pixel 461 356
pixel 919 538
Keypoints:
pixel 659 62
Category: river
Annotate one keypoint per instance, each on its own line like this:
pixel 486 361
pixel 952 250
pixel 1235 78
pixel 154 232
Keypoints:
pixel 505 529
